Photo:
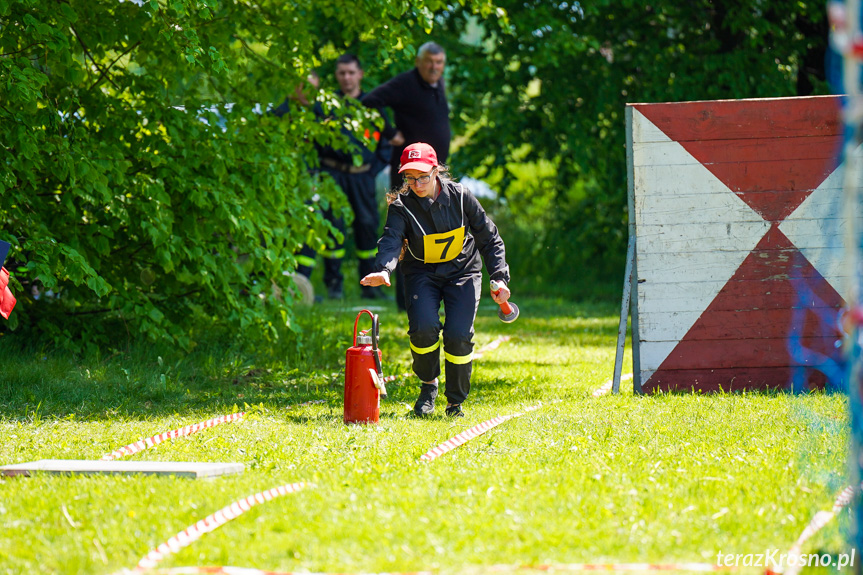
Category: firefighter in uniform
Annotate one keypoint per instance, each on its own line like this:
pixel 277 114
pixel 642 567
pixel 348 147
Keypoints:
pixel 358 184
pixel 443 231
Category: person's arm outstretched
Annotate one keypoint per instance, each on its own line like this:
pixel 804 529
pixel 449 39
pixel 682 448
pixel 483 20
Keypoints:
pixel 389 249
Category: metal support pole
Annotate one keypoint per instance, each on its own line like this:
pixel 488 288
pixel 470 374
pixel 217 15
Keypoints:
pixel 624 313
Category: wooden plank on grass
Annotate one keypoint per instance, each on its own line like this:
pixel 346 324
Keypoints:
pixel 192 469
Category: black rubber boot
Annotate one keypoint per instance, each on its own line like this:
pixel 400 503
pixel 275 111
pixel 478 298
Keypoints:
pixel 425 402
pixel 454 411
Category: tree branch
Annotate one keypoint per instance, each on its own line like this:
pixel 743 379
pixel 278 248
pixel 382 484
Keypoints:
pixel 93 60
pixel 213 21
pixel 121 248
pixel 105 71
pixel 89 312
pixel 22 49
pixel 255 54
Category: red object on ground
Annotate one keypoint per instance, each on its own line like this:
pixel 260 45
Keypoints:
pixel 7 300
pixel 362 398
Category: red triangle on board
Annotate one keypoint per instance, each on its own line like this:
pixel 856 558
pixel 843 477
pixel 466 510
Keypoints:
pixel 775 313
pixel 772 153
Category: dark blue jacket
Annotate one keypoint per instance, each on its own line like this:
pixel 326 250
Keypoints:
pixel 482 240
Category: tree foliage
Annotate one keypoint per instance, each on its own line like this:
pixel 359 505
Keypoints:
pixel 142 183
pixel 551 88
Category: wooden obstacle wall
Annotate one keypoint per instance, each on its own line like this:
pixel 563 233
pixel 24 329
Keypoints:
pixel 736 208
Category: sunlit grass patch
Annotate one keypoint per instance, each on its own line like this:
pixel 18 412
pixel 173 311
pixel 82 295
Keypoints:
pixel 611 479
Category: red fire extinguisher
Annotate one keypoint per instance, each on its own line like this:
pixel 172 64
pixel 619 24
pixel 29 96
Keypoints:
pixel 364 379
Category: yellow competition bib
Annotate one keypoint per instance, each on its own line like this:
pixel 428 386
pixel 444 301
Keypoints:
pixel 443 247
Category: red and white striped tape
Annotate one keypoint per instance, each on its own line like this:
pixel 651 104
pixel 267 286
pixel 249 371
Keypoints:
pixel 210 523
pixel 154 440
pixel 563 567
pixel 618 567
pixel 471 433
pixel 491 346
pixel 149 442
pixel 245 571
pixel 390 378
pixel 463 438
pixel 820 519
pixel 606 387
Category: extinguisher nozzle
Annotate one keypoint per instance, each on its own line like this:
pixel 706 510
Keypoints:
pixel 508 317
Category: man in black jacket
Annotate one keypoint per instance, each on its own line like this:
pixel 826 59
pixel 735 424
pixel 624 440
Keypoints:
pixel 418 99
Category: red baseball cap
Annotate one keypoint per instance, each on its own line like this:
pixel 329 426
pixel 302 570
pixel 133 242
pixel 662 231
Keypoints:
pixel 418 156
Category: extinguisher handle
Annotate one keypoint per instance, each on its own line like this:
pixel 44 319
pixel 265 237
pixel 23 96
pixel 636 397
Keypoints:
pixel 375 333
pixel 495 288
pixel 508 311
pixel 374 324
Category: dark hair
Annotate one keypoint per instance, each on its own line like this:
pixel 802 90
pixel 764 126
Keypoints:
pixel 348 58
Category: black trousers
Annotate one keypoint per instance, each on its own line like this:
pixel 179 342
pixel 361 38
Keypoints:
pixel 360 191
pixel 460 296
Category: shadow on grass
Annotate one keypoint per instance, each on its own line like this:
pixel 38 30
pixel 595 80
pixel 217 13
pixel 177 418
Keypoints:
pixel 154 381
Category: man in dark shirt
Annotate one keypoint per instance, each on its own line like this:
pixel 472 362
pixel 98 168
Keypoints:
pixel 418 99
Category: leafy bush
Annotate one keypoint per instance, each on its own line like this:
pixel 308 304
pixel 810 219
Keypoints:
pixel 132 196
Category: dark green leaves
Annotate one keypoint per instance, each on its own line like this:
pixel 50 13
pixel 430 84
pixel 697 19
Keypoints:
pixel 142 180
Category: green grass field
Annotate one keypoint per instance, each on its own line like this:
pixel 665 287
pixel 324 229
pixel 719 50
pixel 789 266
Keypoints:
pixel 673 478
